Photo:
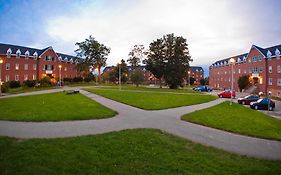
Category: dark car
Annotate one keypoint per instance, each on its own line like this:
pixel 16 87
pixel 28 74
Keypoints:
pixel 203 89
pixel 263 104
pixel 248 99
pixel 226 94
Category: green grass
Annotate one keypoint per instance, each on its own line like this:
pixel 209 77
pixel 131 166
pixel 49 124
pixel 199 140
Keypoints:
pixel 52 107
pixel 27 89
pixel 237 119
pixel 152 100
pixel 141 151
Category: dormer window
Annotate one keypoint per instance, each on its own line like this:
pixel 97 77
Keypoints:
pixel 26 54
pixel 18 53
pixel 244 59
pixel 60 58
pixel 35 55
pixel 71 60
pixel 277 53
pixel 65 59
pixel 9 52
pixel 238 60
pixel 269 54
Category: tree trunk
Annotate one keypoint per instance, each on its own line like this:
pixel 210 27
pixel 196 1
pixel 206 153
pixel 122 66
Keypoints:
pixel 98 74
pixel 160 82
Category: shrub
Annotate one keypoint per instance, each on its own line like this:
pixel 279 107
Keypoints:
pixel 45 81
pixel 67 80
pixel 243 82
pixel 77 79
pixel 137 77
pixel 88 79
pixel 30 83
pixel 5 87
pixel 14 84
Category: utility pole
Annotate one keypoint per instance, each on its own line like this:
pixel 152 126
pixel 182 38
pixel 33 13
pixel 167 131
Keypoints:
pixel 120 77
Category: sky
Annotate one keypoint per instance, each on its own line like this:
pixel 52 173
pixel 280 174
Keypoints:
pixel 214 29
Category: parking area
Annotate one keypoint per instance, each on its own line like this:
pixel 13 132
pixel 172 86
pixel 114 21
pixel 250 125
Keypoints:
pixel 276 113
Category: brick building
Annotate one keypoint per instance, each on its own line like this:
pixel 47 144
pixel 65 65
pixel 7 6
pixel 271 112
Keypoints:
pixel 24 63
pixel 263 65
pixel 197 73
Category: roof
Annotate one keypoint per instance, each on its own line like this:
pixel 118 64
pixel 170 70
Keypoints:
pixel 196 69
pixel 4 48
pixel 272 50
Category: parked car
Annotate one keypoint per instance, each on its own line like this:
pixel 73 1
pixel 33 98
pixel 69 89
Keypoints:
pixel 263 104
pixel 248 99
pixel 203 89
pixel 227 94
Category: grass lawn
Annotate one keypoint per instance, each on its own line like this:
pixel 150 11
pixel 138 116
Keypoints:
pixel 142 88
pixel 141 151
pixel 27 89
pixel 237 119
pixel 152 100
pixel 52 107
pixel 82 84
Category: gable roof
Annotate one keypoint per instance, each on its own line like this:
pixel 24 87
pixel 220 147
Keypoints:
pixel 14 48
pixel 196 69
pixel 263 51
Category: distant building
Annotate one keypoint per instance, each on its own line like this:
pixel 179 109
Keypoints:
pixel 24 63
pixel 263 65
pixel 197 73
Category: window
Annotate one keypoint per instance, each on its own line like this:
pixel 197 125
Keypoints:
pixel 17 66
pixel 50 58
pixel 278 69
pixel 7 78
pixel 270 69
pixel 48 67
pixel 26 54
pixel 33 77
pixel 239 71
pixel 9 52
pixel 7 66
pixel 16 77
pixel 18 53
pixel 279 82
pixel 270 81
pixel 34 67
pixel 65 68
pixel 260 69
pixel 25 66
pixel 25 77
pixel 35 55
pixel 278 94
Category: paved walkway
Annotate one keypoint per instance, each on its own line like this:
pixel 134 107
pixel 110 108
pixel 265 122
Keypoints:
pixel 129 117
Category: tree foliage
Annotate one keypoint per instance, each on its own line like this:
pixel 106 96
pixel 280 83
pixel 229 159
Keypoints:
pixel 137 77
pixel 93 53
pixel 136 55
pixel 204 81
pixel 243 82
pixel 169 58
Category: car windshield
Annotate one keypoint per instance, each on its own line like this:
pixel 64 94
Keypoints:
pixel 248 96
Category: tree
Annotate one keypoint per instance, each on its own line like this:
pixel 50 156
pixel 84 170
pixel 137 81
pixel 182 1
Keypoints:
pixel 136 55
pixel 169 58
pixel 243 82
pixel 94 54
pixel 204 81
pixel 155 62
pixel 137 77
pixel 124 71
pixel 191 80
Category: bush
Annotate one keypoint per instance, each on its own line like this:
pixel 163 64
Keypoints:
pixel 45 81
pixel 30 83
pixel 88 79
pixel 67 80
pixel 243 82
pixel 14 84
pixel 4 87
pixel 77 79
pixel 137 77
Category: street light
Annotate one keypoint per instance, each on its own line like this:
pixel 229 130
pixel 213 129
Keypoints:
pixel 188 79
pixel 119 76
pixel 60 74
pixel 232 62
pixel 1 61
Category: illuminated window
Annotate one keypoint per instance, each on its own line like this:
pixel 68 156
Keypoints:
pixel 34 67
pixel 17 66
pixel 7 66
pixel 25 77
pixel 33 77
pixel 25 66
pixel 270 69
pixel 7 78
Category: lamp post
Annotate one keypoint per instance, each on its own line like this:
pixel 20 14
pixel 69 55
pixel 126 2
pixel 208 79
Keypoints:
pixel 232 62
pixel 60 75
pixel 119 76
pixel 188 79
pixel 1 61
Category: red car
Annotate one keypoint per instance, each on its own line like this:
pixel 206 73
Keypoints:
pixel 227 94
pixel 248 99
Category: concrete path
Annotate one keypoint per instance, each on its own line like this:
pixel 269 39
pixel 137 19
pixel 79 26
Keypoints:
pixel 129 117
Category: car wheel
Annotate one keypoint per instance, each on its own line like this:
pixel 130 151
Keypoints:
pixel 220 96
pixel 270 108
pixel 256 107
pixel 243 102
